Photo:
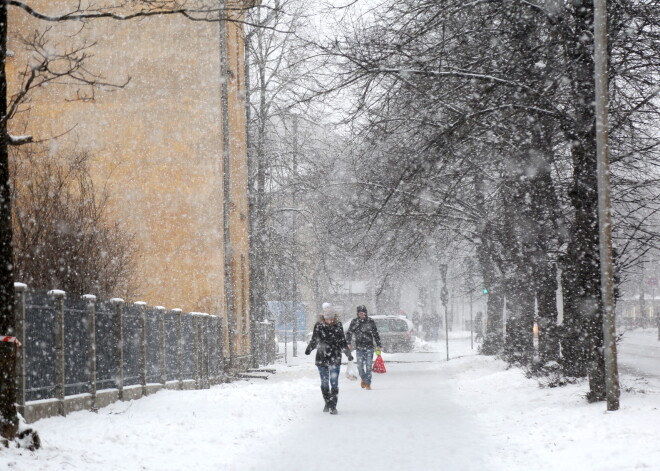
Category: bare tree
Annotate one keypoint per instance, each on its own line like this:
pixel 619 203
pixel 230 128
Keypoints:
pixel 289 150
pixel 63 237
pixel 505 90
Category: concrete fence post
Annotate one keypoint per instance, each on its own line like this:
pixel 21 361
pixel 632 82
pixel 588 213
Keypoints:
pixel 210 337
pixel 58 296
pixel 160 312
pixel 197 332
pixel 91 345
pixel 118 304
pixel 220 341
pixel 179 327
pixel 142 306
pixel 221 349
pixel 206 371
pixel 19 309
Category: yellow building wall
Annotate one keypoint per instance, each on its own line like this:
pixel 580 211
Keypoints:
pixel 156 144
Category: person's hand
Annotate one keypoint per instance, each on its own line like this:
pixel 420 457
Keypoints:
pixel 377 350
pixel 350 357
pixel 308 351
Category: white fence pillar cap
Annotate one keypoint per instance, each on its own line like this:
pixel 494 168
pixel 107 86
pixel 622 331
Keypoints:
pixel 20 286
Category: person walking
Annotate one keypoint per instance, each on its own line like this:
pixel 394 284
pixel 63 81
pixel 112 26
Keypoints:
pixel 366 335
pixel 479 327
pixel 329 341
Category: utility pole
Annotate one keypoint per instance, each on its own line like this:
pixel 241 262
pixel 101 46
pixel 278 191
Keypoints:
pixel 604 204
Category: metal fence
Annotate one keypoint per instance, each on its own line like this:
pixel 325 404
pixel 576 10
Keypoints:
pixel 87 353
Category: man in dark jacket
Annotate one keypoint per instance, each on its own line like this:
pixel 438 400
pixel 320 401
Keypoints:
pixel 366 335
pixel 329 341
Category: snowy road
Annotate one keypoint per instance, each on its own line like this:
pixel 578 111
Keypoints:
pixel 639 353
pixel 424 414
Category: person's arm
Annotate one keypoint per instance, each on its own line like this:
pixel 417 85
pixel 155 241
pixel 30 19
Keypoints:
pixel 349 333
pixel 343 343
pixel 374 331
pixel 313 342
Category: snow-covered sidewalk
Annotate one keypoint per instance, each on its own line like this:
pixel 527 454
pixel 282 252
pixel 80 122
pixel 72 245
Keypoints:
pixel 425 413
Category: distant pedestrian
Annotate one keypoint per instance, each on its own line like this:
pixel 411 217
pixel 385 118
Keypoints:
pixel 427 326
pixel 366 336
pixel 479 327
pixel 328 339
pixel 416 320
pixel 435 322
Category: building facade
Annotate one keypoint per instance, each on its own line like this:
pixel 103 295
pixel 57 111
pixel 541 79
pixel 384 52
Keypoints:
pixel 167 136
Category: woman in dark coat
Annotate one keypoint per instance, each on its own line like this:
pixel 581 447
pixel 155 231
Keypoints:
pixel 329 341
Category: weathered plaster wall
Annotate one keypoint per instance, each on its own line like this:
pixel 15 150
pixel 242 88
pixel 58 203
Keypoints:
pixel 157 144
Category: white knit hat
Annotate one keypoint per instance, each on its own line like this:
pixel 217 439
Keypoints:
pixel 326 306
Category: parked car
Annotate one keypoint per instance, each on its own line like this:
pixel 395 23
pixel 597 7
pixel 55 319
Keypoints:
pixel 396 332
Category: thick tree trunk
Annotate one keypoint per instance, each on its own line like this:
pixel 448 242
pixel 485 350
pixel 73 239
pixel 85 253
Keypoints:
pixel 528 197
pixel 516 228
pixel 494 338
pixel 583 310
pixel 494 332
pixel 494 328
pixel 545 210
pixel 8 413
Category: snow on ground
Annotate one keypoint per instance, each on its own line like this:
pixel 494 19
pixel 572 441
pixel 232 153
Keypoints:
pixel 425 413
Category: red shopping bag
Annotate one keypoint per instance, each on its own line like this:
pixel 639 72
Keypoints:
pixel 379 365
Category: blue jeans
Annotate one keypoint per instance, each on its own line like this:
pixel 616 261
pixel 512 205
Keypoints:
pixel 329 376
pixel 365 360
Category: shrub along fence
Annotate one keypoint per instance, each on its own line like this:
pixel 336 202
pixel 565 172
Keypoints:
pixel 86 353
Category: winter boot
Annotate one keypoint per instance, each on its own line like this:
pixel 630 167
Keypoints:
pixel 363 384
pixel 367 387
pixel 326 398
pixel 332 403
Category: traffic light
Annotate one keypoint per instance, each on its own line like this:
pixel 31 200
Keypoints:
pixel 485 290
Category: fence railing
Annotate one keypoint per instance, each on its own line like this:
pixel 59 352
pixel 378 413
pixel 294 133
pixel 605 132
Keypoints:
pixel 87 353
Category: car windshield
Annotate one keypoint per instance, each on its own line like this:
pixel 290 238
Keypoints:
pixel 391 325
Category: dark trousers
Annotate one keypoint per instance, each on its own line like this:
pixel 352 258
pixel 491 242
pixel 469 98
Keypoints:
pixel 365 360
pixel 329 384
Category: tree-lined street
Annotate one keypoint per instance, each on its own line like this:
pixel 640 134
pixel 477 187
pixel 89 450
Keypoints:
pixel 447 167
pixel 469 414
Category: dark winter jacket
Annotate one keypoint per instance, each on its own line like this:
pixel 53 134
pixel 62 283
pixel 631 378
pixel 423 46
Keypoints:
pixel 365 332
pixel 329 341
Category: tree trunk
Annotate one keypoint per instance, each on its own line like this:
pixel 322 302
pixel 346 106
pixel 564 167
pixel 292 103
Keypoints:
pixel 490 274
pixel 226 194
pixel 494 332
pixel 517 227
pixel 493 340
pixel 8 413
pixel 583 310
